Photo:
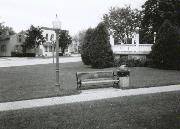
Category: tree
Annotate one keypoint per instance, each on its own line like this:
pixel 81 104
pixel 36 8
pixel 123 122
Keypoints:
pixel 166 51
pixel 154 13
pixel 86 44
pixel 101 55
pixel 34 38
pixel 79 39
pixel 5 31
pixel 122 22
pixel 64 40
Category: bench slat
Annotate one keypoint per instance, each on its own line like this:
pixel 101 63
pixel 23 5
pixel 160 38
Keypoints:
pixel 100 81
pixel 94 72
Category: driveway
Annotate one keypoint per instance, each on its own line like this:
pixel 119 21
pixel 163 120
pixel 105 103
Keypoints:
pixel 15 61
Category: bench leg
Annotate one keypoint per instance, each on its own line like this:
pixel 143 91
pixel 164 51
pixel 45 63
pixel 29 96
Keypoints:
pixel 78 86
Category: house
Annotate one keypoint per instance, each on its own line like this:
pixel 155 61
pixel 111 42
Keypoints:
pixel 47 48
pixel 74 47
pixel 11 43
pixel 130 47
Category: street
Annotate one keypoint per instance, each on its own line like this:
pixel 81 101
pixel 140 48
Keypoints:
pixel 15 61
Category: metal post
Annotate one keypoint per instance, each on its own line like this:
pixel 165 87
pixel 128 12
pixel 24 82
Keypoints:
pixel 53 51
pixel 154 37
pixel 57 58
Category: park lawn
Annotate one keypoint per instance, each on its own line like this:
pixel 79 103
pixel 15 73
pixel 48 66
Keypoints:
pixel 29 82
pixel 152 111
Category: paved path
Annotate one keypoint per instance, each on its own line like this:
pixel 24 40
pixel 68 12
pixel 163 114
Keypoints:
pixel 86 95
pixel 15 61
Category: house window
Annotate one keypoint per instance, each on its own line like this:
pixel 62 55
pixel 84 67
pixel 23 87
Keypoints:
pixel 52 37
pixel 3 48
pixel 46 36
pixel 16 48
pixel 46 48
pixel 50 48
pixel 19 38
pixel 54 48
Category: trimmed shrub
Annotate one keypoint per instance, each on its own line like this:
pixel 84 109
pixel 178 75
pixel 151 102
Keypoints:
pixel 85 51
pixel 136 63
pixel 101 54
pixel 165 52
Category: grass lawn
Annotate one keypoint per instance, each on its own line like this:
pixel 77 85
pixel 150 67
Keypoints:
pixel 153 111
pixel 27 82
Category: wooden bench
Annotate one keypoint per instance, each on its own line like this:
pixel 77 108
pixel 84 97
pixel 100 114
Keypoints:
pixel 84 78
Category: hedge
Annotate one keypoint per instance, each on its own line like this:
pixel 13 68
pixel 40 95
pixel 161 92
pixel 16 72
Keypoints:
pixel 16 54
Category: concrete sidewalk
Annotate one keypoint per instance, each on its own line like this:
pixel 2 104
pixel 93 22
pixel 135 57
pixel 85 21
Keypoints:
pixel 86 95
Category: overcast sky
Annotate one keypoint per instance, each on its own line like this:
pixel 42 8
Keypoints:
pixel 75 15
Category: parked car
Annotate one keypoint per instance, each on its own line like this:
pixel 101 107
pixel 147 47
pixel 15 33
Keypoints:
pixel 60 54
pixel 67 54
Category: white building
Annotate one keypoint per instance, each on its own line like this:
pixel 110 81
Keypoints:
pixel 132 49
pixel 49 46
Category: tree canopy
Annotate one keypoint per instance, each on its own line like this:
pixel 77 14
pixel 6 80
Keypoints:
pixel 96 49
pixel 154 13
pixel 5 31
pixel 101 52
pixel 79 38
pixel 166 51
pixel 86 46
pixel 64 40
pixel 34 37
pixel 122 22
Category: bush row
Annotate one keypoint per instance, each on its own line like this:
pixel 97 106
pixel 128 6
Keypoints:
pixel 16 54
pixel 142 62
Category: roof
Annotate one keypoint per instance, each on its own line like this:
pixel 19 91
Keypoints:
pixel 4 37
pixel 47 28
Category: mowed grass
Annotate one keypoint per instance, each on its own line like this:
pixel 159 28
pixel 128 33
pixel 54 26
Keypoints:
pixel 28 82
pixel 153 111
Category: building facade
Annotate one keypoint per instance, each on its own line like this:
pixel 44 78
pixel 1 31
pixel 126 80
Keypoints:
pixel 47 48
pixel 131 48
pixel 11 43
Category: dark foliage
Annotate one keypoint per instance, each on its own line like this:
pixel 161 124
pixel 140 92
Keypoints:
pixel 15 54
pixel 133 62
pixel 100 51
pixel 122 22
pixel 154 14
pixel 166 51
pixel 96 48
pixel 34 38
pixel 85 50
pixel 5 30
pixel 64 40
